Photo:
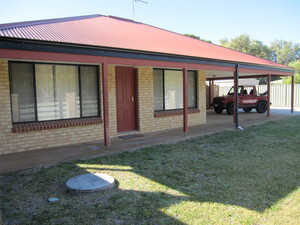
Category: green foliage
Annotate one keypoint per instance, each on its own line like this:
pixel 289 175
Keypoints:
pixel 245 44
pixel 192 36
pixel 296 65
pixel 197 37
pixel 259 49
pixel 285 52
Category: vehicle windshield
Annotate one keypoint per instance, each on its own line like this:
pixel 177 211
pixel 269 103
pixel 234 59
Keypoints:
pixel 231 91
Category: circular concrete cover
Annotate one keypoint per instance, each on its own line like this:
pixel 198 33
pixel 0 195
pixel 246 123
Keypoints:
pixel 91 182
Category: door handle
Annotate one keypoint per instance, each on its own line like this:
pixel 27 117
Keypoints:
pixel 132 99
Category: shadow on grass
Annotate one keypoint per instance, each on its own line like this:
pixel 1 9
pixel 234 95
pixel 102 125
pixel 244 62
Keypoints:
pixel 253 169
pixel 257 188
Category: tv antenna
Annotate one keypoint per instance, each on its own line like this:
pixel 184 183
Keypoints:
pixel 136 1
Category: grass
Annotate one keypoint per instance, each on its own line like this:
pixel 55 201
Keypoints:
pixel 232 177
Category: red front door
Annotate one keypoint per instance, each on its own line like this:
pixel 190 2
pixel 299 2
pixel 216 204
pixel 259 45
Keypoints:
pixel 126 99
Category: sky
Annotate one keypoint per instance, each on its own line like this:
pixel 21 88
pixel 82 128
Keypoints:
pixel 264 20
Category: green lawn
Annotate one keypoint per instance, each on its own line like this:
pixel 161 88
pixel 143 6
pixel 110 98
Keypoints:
pixel 232 177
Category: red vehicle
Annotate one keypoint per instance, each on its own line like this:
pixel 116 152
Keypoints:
pixel 248 99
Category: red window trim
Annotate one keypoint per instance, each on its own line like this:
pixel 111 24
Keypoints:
pixel 56 124
pixel 174 112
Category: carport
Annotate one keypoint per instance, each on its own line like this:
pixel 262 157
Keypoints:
pixel 102 44
pixel 242 72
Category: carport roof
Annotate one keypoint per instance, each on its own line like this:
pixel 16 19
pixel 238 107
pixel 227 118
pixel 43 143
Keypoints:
pixel 128 35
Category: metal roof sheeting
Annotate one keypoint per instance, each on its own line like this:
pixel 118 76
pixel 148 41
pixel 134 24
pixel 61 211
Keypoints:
pixel 108 31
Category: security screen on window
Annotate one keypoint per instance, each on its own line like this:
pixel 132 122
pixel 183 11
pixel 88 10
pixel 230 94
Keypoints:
pixel 168 89
pixel 57 92
pixel 173 90
pixel 89 91
pixel 42 92
pixel 158 90
pixel 22 92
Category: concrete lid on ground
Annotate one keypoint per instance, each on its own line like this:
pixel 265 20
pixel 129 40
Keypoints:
pixel 91 182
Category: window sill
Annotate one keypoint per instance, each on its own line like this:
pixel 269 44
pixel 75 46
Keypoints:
pixel 57 124
pixel 174 112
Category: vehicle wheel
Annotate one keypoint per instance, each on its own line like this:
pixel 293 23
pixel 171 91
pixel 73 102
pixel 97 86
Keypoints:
pixel 247 109
pixel 261 107
pixel 218 109
pixel 229 108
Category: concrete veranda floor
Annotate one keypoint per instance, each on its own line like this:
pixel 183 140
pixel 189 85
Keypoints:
pixel 46 157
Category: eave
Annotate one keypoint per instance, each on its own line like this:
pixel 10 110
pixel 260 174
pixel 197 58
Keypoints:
pixel 110 52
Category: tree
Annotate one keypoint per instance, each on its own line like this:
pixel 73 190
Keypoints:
pixel 285 52
pixel 197 37
pixel 245 44
pixel 296 65
pixel 260 50
pixel 240 43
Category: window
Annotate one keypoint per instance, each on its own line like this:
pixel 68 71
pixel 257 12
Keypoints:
pixel 89 96
pixel 231 91
pixel 22 92
pixel 168 89
pixel 43 92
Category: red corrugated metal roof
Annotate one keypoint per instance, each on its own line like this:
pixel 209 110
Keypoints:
pixel 108 31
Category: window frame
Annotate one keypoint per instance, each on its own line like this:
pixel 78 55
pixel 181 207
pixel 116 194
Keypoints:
pixel 163 87
pixel 35 90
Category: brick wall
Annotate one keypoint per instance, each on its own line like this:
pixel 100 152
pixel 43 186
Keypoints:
pixel 15 142
pixel 202 95
pixel 112 100
pixel 146 111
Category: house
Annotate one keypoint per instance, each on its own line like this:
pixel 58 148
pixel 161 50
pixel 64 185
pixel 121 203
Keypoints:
pixel 79 79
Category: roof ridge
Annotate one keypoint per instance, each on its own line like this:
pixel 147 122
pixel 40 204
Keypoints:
pixel 120 18
pixel 46 21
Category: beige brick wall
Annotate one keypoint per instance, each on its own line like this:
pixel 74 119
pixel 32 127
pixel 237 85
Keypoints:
pixel 202 95
pixel 146 106
pixel 15 142
pixel 112 100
